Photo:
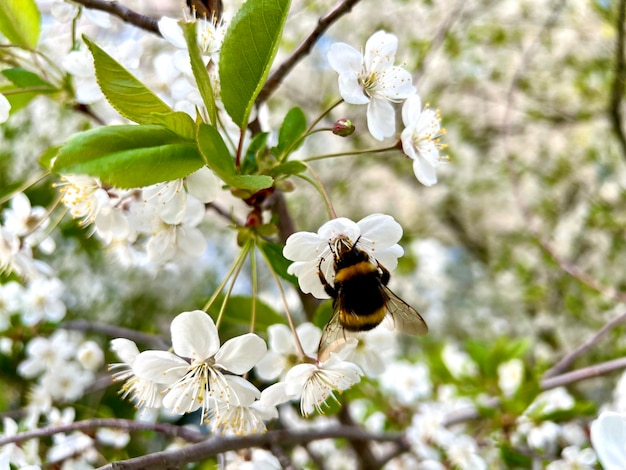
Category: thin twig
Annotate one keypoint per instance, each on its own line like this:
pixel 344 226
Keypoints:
pixel 126 424
pixel 564 363
pixel 285 437
pixel 617 88
pixel 278 75
pixel 129 16
pixel 116 332
pixel 583 374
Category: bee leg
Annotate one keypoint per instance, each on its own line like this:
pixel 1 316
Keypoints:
pixel 385 274
pixel 330 290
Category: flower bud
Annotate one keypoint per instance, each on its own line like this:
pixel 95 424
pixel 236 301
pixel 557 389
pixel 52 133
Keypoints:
pixel 343 127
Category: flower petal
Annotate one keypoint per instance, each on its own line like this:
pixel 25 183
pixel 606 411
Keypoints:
pixel 159 366
pixel 280 339
pixel 424 171
pixel 351 90
pixel 340 226
pixel 381 229
pixel 380 51
pixel 381 119
pixel 172 32
pixel 411 110
pixel 344 58
pixel 203 184
pixel 238 355
pixel 608 434
pixel 194 335
pixel 303 246
pixel 271 366
pixel 125 349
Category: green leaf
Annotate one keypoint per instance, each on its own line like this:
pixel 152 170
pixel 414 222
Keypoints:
pixel 20 22
pixel 289 168
pixel 179 122
pixel 219 159
pixel 291 131
pixel 123 91
pixel 129 156
pixel 25 86
pixel 273 253
pixel 200 72
pixel 250 45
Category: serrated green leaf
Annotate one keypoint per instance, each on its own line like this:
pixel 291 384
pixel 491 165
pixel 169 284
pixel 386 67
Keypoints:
pixel 129 156
pixel 179 122
pixel 200 72
pixel 131 98
pixel 249 47
pixel 20 22
pixel 219 159
pixel 291 131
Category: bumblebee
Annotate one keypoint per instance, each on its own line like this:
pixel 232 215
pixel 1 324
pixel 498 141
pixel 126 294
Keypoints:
pixel 361 298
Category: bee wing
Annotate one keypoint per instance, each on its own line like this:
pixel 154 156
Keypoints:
pixel 406 319
pixel 333 337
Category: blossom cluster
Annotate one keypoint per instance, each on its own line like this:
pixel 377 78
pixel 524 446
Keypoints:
pixel 154 224
pixel 372 78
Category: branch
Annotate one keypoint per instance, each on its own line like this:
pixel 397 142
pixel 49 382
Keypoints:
pixel 564 363
pixel 129 16
pixel 116 332
pixel 217 445
pixel 583 374
pixel 277 76
pixel 617 90
pixel 126 424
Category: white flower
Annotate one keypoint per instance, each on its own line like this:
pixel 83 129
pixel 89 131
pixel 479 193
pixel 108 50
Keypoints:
pixel 282 353
pixel 420 139
pixel 145 393
pixel 377 234
pixel 90 355
pixel 16 256
pixel 117 438
pixel 243 414
pixel 5 108
pixel 458 362
pixel 209 33
pixel 462 452
pixel 374 351
pixel 550 401
pixel 200 382
pixel 510 376
pixel 42 300
pixel 29 222
pixel 314 383
pixel 544 437
pixel 372 79
pixel 168 241
pixel 575 459
pixel 407 382
pixel 84 196
pixel 608 435
pixel 170 197
pixel 80 64
pixel 46 354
